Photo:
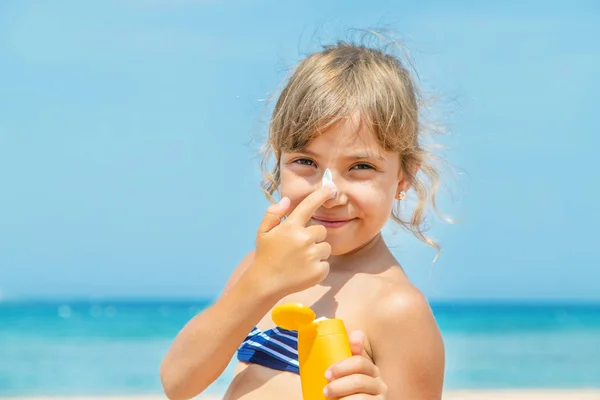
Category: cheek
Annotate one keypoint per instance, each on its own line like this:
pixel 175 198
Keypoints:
pixel 294 187
pixel 373 201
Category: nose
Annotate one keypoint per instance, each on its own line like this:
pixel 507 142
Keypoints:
pixel 339 200
pixel 340 197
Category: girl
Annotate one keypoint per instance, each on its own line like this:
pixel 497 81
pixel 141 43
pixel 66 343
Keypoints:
pixel 353 110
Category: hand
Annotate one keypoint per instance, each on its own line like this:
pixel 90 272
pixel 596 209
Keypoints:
pixel 355 378
pixel 290 256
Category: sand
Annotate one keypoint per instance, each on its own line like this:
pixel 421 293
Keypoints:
pixel 523 395
pixel 591 394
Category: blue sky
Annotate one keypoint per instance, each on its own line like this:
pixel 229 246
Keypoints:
pixel 128 169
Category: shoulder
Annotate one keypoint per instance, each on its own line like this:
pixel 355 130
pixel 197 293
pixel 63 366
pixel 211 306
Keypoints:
pixel 406 343
pixel 401 311
pixel 399 304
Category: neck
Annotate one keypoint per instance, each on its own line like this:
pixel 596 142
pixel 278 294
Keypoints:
pixel 375 247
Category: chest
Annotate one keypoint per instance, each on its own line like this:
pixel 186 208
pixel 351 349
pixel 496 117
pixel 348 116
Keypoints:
pixel 330 301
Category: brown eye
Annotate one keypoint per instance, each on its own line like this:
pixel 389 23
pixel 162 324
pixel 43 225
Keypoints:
pixel 304 161
pixel 363 166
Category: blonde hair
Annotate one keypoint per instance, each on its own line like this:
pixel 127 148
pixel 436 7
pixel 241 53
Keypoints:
pixel 331 84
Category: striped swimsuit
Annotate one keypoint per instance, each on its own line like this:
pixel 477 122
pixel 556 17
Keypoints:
pixel 274 348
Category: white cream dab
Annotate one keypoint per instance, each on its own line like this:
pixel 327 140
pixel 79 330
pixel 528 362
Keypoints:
pixel 328 180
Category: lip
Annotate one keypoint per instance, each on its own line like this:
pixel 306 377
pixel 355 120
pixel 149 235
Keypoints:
pixel 332 222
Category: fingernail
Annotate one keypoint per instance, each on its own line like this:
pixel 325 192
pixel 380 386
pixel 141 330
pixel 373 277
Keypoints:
pixel 326 392
pixel 328 374
pixel 333 190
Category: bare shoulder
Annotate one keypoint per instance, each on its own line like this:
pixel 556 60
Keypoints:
pixel 406 342
pixel 401 304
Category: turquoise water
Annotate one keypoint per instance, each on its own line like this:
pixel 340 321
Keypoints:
pixel 115 347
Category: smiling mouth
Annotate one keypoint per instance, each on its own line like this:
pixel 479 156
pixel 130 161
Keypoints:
pixel 332 223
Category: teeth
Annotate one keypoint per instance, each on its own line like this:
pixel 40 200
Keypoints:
pixel 328 180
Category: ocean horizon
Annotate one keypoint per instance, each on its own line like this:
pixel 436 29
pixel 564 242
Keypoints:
pixel 114 346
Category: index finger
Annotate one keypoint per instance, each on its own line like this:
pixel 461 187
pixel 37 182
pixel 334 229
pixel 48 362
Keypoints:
pixel 307 207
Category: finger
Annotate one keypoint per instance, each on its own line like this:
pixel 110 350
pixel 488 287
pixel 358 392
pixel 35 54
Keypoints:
pixel 323 269
pixel 357 342
pixel 352 384
pixel 317 232
pixel 305 210
pixel 322 251
pixel 352 365
pixel 273 215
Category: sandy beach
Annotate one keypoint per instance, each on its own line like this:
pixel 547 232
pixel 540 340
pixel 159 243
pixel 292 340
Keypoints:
pixel 523 395
pixel 591 394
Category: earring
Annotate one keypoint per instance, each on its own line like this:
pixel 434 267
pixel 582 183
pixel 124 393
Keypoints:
pixel 401 195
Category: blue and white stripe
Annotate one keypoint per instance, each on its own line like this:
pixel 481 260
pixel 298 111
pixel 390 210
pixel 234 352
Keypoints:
pixel 274 348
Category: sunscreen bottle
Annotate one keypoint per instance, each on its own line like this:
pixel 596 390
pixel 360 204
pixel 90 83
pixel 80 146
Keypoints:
pixel 321 343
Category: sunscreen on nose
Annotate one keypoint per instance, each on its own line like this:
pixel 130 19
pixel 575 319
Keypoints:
pixel 328 180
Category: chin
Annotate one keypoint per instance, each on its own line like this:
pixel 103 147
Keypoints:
pixel 339 248
pixel 343 245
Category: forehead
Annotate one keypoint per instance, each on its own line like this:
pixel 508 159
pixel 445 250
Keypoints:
pixel 351 134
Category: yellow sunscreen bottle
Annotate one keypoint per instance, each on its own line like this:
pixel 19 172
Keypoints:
pixel 321 343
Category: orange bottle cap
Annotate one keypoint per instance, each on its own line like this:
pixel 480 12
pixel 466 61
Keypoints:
pixel 292 316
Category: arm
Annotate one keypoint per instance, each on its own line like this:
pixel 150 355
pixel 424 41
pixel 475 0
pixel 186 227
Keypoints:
pixel 204 347
pixel 239 271
pixel 289 258
pixel 407 346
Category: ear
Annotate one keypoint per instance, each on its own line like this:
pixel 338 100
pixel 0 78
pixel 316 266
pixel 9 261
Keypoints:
pixel 404 183
pixel 402 187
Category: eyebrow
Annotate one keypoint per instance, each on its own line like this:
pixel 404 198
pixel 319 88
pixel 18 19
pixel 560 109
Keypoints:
pixel 357 156
pixel 367 156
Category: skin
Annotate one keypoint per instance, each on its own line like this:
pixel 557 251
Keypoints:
pixel 344 271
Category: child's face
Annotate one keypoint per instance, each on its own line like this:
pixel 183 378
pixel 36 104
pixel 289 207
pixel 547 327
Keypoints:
pixel 367 178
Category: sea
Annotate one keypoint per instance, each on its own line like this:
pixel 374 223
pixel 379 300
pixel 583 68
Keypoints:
pixel 115 347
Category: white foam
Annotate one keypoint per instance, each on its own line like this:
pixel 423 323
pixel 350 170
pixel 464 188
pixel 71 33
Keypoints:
pixel 328 180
